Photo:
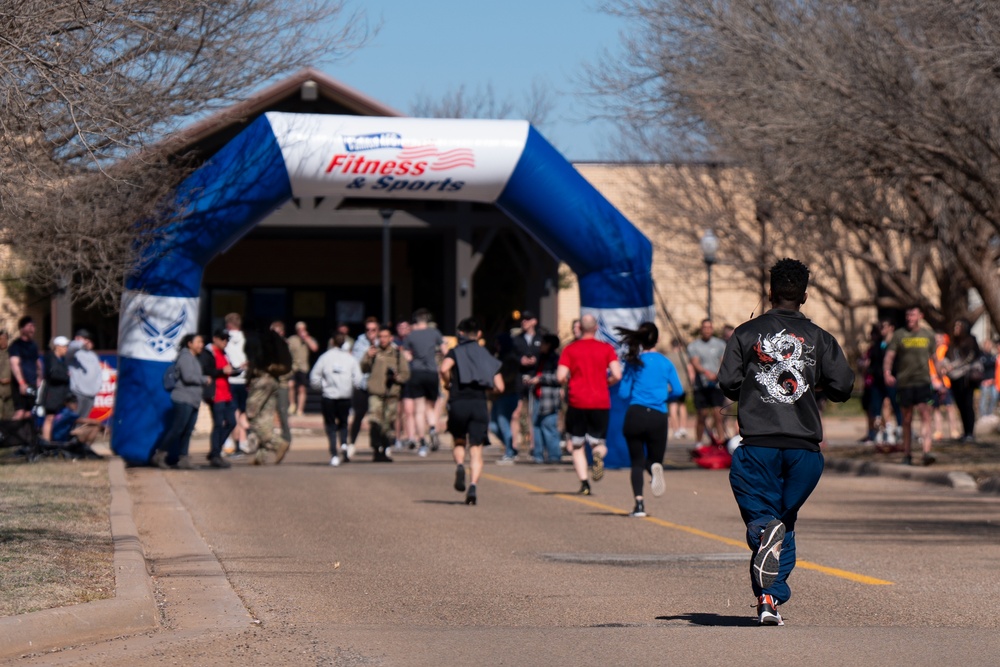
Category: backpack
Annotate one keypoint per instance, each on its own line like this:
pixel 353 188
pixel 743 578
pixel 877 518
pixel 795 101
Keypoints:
pixel 170 377
pixel 276 357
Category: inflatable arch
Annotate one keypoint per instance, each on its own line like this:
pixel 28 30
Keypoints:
pixel 283 155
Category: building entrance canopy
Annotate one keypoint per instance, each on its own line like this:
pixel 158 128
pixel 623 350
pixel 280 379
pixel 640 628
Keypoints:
pixel 281 155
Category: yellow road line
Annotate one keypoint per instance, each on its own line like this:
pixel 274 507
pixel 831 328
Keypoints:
pixel 586 500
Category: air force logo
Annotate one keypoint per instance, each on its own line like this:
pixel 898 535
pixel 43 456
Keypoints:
pixel 161 340
pixel 151 326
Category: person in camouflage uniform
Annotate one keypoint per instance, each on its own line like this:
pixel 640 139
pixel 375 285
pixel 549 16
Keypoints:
pixel 389 371
pixel 269 359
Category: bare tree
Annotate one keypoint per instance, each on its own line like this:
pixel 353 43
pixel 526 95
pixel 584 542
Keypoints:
pixel 870 126
pixel 88 88
pixel 535 107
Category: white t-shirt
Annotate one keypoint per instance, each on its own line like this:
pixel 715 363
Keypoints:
pixel 237 356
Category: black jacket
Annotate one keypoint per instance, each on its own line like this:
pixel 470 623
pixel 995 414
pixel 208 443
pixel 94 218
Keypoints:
pixel 56 383
pixel 774 365
pixel 522 348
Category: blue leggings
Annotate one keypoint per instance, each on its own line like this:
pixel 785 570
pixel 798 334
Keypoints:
pixel 771 483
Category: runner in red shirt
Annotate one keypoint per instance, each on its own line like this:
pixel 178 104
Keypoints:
pixel 588 367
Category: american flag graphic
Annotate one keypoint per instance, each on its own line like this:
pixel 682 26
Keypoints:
pixel 439 160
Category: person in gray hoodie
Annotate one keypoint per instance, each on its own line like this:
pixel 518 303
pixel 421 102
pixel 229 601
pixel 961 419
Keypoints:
pixel 85 374
pixel 773 366
pixel 172 448
pixel 337 374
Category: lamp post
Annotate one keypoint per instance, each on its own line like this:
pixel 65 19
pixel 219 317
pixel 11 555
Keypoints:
pixel 386 214
pixel 709 248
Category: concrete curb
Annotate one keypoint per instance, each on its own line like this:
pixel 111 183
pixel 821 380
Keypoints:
pixel 957 480
pixel 131 611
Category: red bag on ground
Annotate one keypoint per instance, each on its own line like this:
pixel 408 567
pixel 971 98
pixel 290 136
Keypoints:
pixel 713 457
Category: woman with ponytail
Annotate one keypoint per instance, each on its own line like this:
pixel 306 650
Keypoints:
pixel 648 382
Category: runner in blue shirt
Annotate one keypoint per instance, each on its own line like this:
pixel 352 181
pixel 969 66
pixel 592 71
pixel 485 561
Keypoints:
pixel 648 382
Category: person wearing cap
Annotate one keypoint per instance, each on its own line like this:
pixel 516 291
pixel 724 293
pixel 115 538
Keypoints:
pixel 25 367
pixel 223 405
pixel 85 374
pixel 468 372
pixel 56 383
pixel 528 348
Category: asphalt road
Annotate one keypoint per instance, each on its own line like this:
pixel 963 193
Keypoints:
pixel 383 564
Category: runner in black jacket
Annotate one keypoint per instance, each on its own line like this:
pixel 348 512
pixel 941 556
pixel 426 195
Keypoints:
pixel 773 366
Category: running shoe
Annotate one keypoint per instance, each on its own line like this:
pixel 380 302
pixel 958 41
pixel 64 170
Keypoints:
pixel 460 478
pixel 767 558
pixel 767 611
pixel 597 470
pixel 422 451
pixel 335 461
pixel 435 440
pixel 639 511
pixel 470 497
pixel 584 488
pixel 657 485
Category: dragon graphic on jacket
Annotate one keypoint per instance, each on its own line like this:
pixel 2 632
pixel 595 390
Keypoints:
pixel 783 357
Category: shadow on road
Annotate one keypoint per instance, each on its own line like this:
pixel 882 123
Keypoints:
pixel 716 620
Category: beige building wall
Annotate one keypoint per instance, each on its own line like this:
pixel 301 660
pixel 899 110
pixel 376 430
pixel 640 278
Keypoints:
pixel 679 271
pixel 15 300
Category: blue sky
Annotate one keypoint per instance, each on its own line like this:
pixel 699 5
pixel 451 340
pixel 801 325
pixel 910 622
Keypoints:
pixel 432 47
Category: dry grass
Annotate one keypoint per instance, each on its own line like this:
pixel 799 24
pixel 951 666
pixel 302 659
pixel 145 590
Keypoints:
pixel 55 535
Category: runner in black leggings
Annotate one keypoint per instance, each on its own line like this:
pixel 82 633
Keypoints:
pixel 648 382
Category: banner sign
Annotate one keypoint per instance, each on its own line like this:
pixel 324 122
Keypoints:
pixel 398 158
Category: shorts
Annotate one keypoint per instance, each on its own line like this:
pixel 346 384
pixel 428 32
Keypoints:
pixel 708 397
pixel 25 401
pixel 910 396
pixel 301 379
pixel 943 398
pixel 581 422
pixel 422 384
pixel 680 399
pixel 469 419
pixel 239 392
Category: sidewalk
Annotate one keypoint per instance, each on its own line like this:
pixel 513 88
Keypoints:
pixel 133 610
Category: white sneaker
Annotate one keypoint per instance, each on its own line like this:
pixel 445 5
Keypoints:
pixel 680 433
pixel 244 447
pixel 335 461
pixel 350 451
pixel 657 485
pixel 422 451
pixel 229 447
